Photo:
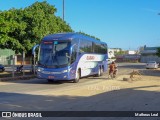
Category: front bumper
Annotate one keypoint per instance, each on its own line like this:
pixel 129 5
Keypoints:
pixel 61 76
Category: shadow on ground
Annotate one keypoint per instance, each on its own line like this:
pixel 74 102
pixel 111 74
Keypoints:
pixel 117 100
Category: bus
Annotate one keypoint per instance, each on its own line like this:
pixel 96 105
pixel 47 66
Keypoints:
pixel 71 56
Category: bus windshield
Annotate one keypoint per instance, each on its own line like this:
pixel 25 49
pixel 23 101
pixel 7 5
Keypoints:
pixel 54 54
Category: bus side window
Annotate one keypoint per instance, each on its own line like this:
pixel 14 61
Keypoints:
pixel 85 46
pixel 73 56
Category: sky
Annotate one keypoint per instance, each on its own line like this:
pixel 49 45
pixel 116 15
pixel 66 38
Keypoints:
pixel 126 24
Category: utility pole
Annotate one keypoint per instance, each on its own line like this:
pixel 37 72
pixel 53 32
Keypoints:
pixel 13 65
pixel 63 10
pixel 23 63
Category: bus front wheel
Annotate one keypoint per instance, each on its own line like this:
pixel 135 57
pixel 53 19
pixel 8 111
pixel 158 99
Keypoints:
pixel 78 75
pixel 50 81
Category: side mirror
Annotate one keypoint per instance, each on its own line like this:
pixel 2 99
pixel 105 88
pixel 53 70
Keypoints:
pixel 67 55
pixel 72 48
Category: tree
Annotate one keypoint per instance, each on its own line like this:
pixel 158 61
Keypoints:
pixel 89 35
pixel 21 29
pixel 41 21
pixel 121 52
pixel 158 52
pixel 9 28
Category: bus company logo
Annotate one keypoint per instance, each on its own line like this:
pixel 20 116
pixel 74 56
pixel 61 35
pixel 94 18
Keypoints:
pixel 6 114
pixel 90 57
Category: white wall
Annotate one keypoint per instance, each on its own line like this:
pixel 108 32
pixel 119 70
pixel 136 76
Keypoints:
pixel 111 53
pixel 131 52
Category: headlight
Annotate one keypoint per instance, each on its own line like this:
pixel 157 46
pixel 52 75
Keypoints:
pixel 64 71
pixel 39 69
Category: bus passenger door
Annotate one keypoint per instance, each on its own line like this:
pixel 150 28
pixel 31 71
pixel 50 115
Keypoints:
pixel 73 54
pixel 73 62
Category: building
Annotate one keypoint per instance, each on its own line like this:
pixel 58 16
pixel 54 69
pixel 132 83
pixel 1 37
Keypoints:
pixel 117 49
pixel 6 56
pixel 111 53
pixel 131 52
pixel 149 54
pixel 128 58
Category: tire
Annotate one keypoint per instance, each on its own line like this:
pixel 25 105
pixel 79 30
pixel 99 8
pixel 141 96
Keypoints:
pixel 78 76
pixel 50 81
pixel 102 70
pixel 99 72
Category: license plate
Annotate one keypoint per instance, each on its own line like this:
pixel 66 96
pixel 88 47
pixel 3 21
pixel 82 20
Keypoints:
pixel 50 77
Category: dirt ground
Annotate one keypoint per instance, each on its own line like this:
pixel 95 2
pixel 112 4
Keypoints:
pixel 149 80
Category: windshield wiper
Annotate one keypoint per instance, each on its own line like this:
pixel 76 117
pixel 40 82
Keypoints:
pixel 54 57
pixel 46 61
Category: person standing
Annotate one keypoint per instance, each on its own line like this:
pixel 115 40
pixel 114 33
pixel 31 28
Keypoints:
pixel 111 69
pixel 115 70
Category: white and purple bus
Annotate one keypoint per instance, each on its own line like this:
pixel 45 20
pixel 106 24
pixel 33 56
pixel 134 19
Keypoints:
pixel 71 56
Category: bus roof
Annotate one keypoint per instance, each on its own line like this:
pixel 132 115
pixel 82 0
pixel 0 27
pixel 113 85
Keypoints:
pixel 69 36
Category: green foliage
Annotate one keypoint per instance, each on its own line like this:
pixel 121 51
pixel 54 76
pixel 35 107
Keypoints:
pixel 21 29
pixel 121 52
pixel 89 35
pixel 158 52
pixel 9 29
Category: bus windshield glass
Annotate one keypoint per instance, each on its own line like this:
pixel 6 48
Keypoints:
pixel 54 54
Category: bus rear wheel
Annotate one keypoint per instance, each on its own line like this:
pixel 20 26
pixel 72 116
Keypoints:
pixel 102 71
pixel 78 75
pixel 99 72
